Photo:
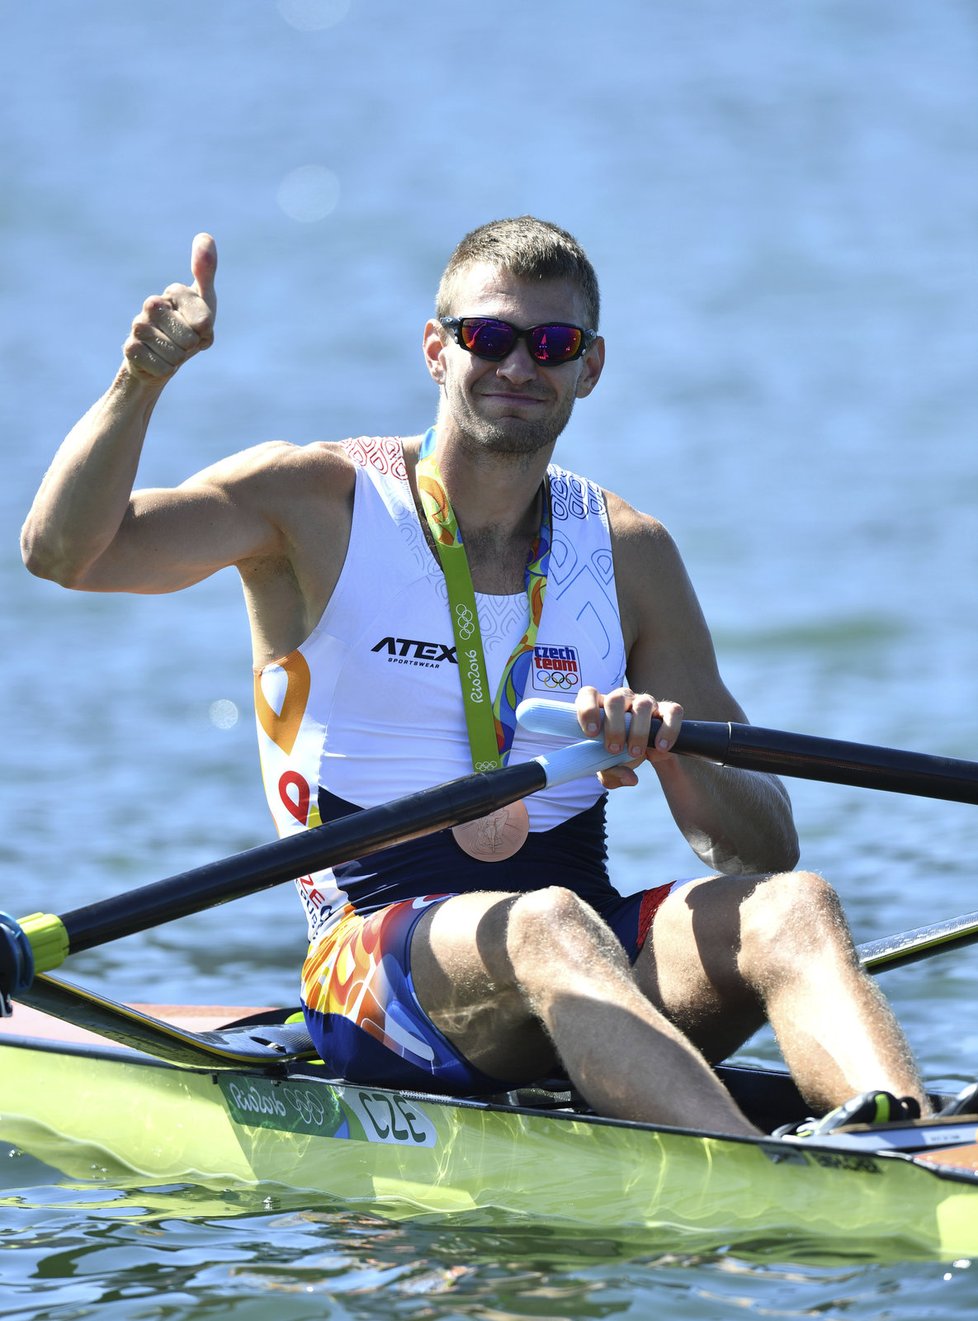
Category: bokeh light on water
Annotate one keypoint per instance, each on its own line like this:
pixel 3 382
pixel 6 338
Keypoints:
pixel 223 713
pixel 313 15
pixel 309 193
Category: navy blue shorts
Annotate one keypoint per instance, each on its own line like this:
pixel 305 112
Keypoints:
pixel 364 1017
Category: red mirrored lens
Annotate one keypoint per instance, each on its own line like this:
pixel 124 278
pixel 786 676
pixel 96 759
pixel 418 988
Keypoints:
pixel 550 344
pixel 488 339
pixel 554 343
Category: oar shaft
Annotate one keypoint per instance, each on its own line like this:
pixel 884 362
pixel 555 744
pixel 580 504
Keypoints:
pixel 921 943
pixel 862 765
pixel 804 756
pixel 281 860
pixel 353 836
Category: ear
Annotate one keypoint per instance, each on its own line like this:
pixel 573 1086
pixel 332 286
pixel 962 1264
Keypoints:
pixel 434 349
pixel 593 365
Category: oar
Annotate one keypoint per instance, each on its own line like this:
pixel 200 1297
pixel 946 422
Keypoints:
pixel 912 946
pixel 271 1047
pixel 804 756
pixel 43 941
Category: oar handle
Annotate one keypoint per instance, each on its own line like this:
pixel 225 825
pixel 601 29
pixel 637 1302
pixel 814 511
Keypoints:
pixel 804 756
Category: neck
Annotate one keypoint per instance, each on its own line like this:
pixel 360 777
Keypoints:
pixel 493 495
pixel 498 503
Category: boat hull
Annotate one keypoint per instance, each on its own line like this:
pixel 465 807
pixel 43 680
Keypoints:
pixel 114 1116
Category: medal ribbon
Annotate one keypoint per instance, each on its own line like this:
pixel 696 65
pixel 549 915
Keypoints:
pixel 491 727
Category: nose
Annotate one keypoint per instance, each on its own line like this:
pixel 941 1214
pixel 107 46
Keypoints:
pixel 519 366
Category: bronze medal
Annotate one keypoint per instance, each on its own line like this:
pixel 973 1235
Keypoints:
pixel 495 837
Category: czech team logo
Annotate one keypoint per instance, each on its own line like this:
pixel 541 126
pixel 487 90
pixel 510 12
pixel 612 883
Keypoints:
pixel 556 670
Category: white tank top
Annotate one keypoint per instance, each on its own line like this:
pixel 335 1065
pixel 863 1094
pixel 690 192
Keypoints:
pixel 369 707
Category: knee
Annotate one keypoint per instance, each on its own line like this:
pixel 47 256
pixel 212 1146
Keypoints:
pixel 789 918
pixel 553 927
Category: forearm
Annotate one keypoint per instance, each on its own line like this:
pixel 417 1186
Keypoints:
pixel 738 822
pixel 85 494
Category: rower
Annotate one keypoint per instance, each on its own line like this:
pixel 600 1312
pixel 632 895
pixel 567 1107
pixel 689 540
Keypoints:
pixel 403 595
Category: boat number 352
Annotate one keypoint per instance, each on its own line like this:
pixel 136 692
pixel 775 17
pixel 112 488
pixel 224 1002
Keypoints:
pixel 389 1118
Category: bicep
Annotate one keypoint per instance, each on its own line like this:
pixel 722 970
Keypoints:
pixel 172 538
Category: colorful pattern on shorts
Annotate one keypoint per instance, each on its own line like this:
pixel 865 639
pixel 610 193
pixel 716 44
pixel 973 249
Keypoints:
pixel 363 1015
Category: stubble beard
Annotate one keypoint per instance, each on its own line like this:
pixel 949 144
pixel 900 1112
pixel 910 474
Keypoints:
pixel 512 436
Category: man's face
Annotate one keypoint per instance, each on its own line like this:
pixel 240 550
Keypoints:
pixel 517 406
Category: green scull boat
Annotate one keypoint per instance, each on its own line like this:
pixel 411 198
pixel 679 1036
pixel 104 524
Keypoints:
pixel 247 1106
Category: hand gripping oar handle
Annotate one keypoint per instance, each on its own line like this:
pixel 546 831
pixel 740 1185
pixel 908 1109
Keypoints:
pixel 804 756
pixel 43 941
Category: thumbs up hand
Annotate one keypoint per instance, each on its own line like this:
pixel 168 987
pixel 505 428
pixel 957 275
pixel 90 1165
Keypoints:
pixel 178 323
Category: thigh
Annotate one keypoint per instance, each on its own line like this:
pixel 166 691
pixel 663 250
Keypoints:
pixel 688 966
pixel 464 981
pixel 363 1014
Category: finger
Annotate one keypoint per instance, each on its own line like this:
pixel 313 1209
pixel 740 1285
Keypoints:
pixel 160 313
pixel 158 343
pixel 671 716
pixel 588 708
pixel 203 267
pixel 618 777
pixel 617 706
pixel 188 304
pixel 144 361
pixel 643 709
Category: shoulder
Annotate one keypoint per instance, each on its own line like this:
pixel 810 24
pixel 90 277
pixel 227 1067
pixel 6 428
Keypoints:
pixel 651 578
pixel 280 460
pixel 277 470
pixel 639 540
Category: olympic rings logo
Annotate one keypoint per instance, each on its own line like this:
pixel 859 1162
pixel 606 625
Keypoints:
pixel 307 1106
pixel 485 765
pixel 557 679
pixel 465 624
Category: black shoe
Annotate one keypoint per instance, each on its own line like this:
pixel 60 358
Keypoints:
pixel 965 1103
pixel 867 1108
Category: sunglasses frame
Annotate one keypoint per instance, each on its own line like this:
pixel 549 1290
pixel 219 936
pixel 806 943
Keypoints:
pixel 453 324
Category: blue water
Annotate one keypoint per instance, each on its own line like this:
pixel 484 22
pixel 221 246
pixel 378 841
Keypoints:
pixel 782 203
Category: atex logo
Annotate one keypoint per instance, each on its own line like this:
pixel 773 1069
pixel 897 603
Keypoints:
pixel 412 651
pixel 556 669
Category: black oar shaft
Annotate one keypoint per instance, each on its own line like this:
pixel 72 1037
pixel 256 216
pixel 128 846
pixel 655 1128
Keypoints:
pixel 863 765
pixel 804 756
pixel 281 860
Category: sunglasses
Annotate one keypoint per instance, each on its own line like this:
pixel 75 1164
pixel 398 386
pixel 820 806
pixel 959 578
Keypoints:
pixel 550 344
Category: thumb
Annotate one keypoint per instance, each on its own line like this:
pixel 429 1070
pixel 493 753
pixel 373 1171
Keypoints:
pixel 203 267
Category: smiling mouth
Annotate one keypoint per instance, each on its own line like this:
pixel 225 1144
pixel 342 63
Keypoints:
pixel 514 397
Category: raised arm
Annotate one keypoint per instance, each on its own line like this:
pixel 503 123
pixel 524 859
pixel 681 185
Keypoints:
pixel 736 821
pixel 86 529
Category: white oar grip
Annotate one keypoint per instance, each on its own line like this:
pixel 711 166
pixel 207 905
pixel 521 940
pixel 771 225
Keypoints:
pixel 585 758
pixel 543 717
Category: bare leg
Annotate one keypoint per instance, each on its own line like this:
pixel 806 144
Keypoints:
pixel 516 981
pixel 729 951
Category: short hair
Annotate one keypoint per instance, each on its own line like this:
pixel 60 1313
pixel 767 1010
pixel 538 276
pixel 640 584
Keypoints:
pixel 528 248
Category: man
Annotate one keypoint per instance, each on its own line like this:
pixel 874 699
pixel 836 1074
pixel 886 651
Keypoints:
pixel 393 588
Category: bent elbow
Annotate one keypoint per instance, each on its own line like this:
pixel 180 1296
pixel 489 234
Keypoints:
pixel 779 853
pixel 769 856
pixel 45 561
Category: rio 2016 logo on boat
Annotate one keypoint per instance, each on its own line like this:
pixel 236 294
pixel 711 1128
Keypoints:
pixel 556 669
pixel 287 1106
pixel 322 1110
